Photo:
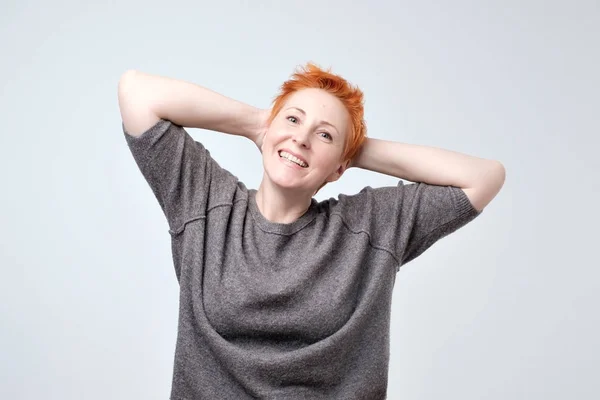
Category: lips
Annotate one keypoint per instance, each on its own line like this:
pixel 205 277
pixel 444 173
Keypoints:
pixel 295 155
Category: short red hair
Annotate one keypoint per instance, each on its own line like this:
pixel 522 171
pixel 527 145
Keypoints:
pixel 311 76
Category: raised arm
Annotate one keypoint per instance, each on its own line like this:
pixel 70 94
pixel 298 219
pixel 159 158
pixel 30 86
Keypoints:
pixel 145 98
pixel 481 179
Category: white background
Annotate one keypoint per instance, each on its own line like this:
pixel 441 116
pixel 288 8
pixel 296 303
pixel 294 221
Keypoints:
pixel 505 308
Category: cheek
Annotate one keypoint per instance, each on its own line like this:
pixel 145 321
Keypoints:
pixel 270 137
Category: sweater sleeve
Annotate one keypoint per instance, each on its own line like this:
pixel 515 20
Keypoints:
pixel 180 171
pixel 427 214
pixel 407 219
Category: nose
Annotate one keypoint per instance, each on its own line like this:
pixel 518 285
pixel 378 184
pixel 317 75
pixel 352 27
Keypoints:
pixel 301 137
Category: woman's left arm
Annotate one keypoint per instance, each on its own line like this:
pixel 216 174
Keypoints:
pixel 481 179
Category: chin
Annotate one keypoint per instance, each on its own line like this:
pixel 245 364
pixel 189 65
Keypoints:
pixel 285 183
pixel 286 178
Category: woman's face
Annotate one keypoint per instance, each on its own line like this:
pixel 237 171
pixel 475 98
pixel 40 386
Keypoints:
pixel 312 126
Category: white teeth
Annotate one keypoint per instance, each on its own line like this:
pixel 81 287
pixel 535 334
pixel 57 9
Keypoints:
pixel 290 157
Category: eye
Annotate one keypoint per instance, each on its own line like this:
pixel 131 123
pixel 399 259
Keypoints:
pixel 329 137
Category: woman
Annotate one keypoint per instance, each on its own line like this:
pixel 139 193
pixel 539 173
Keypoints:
pixel 282 296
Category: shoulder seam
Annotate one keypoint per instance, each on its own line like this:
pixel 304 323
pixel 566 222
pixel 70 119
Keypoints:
pixel 175 232
pixel 192 219
pixel 369 235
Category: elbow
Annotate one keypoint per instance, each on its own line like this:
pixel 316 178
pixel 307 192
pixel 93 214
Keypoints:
pixel 128 74
pixel 125 80
pixel 498 174
pixel 493 179
pixel 488 187
pixel 493 182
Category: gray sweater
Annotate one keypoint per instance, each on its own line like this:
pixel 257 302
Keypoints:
pixel 284 311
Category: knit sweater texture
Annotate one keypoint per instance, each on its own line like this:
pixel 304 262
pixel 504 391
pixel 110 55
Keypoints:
pixel 296 310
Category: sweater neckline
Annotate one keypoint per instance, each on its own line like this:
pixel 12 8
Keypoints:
pixel 278 227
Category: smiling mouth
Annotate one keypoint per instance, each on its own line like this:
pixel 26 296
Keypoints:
pixel 293 160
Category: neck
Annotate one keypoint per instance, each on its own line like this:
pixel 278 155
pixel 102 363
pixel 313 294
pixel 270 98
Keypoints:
pixel 281 206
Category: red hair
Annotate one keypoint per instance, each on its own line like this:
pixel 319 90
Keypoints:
pixel 311 76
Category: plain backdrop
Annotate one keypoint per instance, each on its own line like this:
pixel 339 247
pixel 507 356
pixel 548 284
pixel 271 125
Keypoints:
pixel 505 308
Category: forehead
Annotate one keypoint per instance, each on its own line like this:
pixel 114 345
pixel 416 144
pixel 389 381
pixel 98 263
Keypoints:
pixel 317 103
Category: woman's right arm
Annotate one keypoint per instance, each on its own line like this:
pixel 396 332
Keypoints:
pixel 144 99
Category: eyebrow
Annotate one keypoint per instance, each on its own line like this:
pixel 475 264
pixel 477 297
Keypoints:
pixel 322 122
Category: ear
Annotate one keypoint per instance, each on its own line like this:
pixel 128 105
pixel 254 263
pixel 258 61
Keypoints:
pixel 262 142
pixel 339 171
pixel 262 138
pixel 265 124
